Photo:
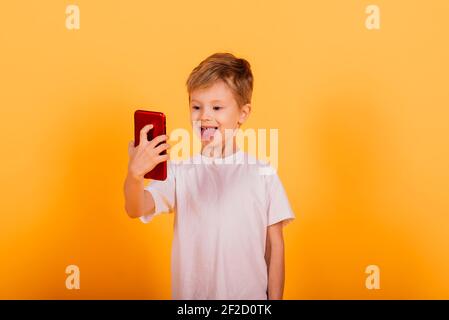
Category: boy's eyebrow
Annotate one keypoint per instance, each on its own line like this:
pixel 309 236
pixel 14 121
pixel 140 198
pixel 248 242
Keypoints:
pixel 212 102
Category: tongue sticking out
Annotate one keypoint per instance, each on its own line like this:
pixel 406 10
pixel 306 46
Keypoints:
pixel 208 133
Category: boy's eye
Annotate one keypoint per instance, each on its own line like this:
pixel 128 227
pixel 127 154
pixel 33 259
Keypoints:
pixel 196 107
pixel 217 107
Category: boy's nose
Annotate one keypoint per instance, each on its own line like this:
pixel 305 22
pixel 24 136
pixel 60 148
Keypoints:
pixel 205 115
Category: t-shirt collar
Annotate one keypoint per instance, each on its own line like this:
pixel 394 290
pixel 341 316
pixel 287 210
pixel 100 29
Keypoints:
pixel 235 157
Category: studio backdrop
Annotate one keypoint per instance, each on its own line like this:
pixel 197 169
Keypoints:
pixel 357 90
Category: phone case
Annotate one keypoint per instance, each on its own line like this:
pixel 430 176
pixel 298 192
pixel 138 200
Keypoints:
pixel 157 119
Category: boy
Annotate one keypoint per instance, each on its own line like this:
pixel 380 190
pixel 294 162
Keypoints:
pixel 228 241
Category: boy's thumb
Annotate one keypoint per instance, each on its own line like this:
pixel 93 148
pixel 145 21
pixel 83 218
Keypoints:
pixel 130 147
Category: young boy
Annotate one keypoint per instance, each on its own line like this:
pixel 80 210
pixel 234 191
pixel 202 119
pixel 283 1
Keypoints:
pixel 228 241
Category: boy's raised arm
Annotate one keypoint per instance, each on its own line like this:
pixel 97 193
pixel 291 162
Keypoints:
pixel 138 202
pixel 142 159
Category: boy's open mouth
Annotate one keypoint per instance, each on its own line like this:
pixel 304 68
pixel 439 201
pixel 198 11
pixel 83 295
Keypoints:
pixel 207 133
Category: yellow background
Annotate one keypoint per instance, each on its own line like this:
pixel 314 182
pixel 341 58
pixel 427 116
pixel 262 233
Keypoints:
pixel 363 128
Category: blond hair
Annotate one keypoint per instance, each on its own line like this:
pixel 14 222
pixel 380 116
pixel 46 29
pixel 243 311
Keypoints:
pixel 235 72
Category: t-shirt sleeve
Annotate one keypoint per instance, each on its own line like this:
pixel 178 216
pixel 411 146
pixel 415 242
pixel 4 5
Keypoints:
pixel 163 193
pixel 279 208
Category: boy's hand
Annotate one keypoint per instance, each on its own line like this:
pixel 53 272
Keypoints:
pixel 144 157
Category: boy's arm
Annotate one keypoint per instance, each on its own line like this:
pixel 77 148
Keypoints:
pixel 275 261
pixel 142 159
pixel 138 202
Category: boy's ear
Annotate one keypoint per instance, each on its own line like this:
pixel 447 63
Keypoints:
pixel 244 113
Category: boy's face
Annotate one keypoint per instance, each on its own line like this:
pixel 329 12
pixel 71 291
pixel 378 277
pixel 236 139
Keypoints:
pixel 215 109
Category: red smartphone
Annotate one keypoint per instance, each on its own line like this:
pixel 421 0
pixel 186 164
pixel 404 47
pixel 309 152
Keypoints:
pixel 157 119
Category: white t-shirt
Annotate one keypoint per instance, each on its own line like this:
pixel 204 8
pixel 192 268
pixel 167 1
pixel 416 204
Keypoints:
pixel 222 212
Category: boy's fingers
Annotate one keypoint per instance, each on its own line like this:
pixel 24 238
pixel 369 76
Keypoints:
pixel 144 132
pixel 158 139
pixel 161 148
pixel 162 158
